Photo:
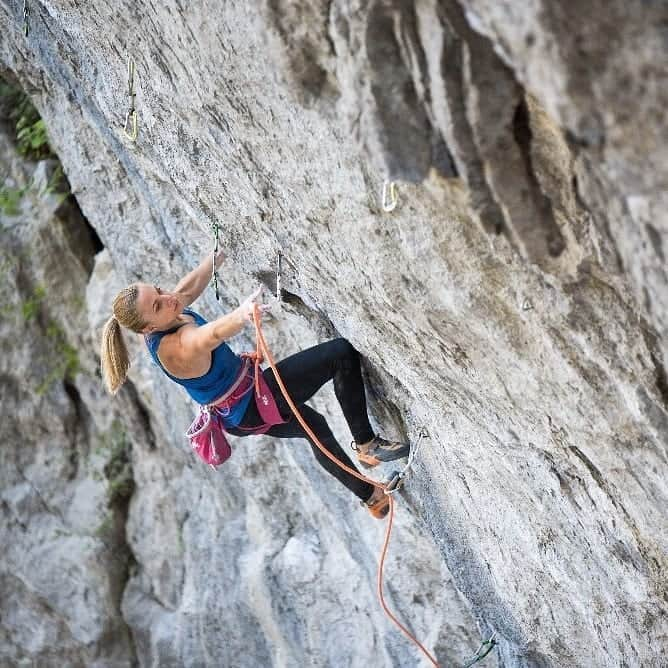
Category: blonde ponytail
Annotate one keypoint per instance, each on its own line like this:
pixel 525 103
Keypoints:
pixel 114 355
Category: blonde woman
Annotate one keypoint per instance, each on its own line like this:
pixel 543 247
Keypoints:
pixel 194 353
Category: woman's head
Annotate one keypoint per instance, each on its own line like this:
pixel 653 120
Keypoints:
pixel 155 308
pixel 142 308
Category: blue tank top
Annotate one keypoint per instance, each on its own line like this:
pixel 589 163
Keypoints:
pixel 225 367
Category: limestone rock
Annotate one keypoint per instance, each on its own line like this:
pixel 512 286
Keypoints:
pixel 514 304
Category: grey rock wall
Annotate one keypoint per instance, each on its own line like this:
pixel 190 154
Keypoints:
pixel 122 549
pixel 514 304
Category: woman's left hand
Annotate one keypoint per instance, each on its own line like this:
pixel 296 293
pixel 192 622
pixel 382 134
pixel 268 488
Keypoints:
pixel 248 305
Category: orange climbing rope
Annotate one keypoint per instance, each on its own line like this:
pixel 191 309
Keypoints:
pixel 262 351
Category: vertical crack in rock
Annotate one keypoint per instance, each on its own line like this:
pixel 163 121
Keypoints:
pixel 308 49
pixel 84 234
pixel 121 562
pixel 491 95
pixel 398 129
pixel 76 422
pixel 656 241
pixel 449 112
pixel 545 223
pixel 498 115
pixel 141 417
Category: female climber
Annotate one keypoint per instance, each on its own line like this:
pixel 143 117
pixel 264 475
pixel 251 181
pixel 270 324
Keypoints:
pixel 194 353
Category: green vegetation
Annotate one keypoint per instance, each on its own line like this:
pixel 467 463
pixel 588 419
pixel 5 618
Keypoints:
pixel 60 358
pixel 10 199
pixel 30 307
pixel 30 135
pixel 66 356
pixel 57 183
pixel 116 447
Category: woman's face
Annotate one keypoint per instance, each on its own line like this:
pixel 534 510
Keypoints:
pixel 157 307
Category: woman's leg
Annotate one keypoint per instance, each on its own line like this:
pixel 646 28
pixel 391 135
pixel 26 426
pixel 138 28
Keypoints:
pixel 304 373
pixel 318 424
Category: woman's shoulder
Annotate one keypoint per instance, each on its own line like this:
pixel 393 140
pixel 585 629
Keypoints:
pixel 155 339
pixel 197 318
pixel 179 360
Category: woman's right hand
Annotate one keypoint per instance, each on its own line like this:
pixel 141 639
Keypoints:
pixel 247 306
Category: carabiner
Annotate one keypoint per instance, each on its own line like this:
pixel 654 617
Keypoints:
pixel 26 15
pixel 394 483
pixel 131 116
pixel 389 204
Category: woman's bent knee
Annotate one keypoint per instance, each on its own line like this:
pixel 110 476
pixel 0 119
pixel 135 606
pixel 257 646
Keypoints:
pixel 342 348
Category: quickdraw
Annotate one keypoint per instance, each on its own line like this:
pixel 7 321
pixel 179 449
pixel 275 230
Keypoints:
pixel 26 14
pixel 130 125
pixel 397 478
pixel 487 646
pixel 216 245
pixel 279 265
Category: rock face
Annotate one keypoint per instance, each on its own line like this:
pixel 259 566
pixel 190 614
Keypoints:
pixel 514 304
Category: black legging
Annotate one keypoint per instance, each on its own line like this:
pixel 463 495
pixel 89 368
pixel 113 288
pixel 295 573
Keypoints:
pixel 303 374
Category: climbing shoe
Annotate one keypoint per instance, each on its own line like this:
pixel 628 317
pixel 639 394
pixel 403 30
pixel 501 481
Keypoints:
pixel 379 503
pixel 380 451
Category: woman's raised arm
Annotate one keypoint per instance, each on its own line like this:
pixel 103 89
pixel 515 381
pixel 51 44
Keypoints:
pixel 199 340
pixel 193 284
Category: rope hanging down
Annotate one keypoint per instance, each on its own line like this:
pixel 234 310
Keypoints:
pixel 263 352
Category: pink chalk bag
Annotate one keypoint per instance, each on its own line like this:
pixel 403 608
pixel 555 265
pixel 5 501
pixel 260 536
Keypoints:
pixel 207 432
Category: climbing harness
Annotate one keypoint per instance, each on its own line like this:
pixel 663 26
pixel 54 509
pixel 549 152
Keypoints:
pixel 207 432
pixel 131 117
pixel 26 14
pixel 397 478
pixel 487 646
pixel 216 245
pixel 389 199
pixel 263 349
